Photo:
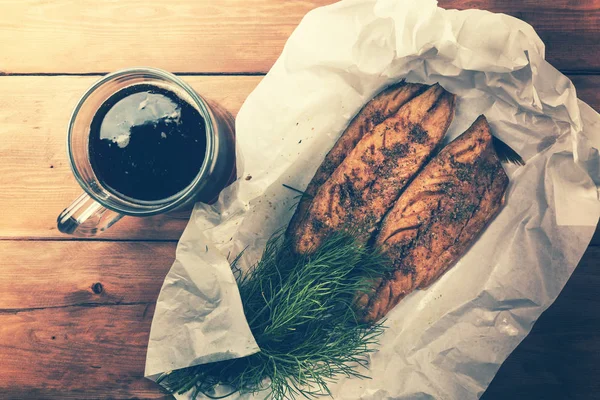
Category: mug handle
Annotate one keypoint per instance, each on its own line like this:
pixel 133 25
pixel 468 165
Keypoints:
pixel 87 217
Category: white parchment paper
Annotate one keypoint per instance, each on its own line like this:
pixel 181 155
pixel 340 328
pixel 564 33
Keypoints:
pixel 448 341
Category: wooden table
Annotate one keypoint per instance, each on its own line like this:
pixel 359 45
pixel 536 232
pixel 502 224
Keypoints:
pixel 75 314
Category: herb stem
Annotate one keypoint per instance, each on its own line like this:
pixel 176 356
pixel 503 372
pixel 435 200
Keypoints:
pixel 300 311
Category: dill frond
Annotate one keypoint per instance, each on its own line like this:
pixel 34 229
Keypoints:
pixel 300 311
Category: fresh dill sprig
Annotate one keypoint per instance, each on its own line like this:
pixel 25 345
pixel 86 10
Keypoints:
pixel 300 311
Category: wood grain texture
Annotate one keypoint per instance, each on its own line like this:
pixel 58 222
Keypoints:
pixel 76 353
pixel 75 318
pixel 179 35
pixel 58 274
pixel 35 177
pixel 60 340
pixel 228 35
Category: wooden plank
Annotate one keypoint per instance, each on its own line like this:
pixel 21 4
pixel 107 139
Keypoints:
pixel 58 342
pixel 228 35
pixel 76 353
pixel 39 274
pixel 75 317
pixel 179 35
pixel 35 177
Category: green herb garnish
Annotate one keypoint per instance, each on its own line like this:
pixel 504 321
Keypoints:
pixel 300 311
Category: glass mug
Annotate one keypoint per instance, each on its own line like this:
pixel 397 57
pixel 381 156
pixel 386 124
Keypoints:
pixel 99 208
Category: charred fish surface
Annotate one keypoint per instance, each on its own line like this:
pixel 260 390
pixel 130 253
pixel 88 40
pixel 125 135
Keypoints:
pixel 370 178
pixel 438 217
pixel 381 107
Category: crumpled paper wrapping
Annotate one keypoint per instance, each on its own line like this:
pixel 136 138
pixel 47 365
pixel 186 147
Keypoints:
pixel 448 341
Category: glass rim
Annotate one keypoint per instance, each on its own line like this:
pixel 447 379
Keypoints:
pixel 139 207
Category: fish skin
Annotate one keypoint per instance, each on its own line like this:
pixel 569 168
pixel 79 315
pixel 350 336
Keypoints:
pixel 437 218
pixel 377 110
pixel 369 180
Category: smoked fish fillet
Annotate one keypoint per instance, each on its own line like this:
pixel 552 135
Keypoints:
pixel 377 110
pixel 370 178
pixel 438 217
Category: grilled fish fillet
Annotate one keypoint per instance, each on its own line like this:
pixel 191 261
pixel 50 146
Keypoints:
pixel 438 217
pixel 382 106
pixel 369 180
